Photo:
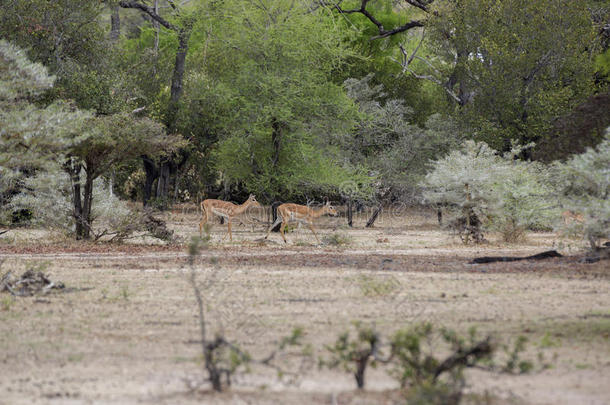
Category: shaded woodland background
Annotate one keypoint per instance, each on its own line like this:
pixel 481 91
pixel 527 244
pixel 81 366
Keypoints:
pixel 171 101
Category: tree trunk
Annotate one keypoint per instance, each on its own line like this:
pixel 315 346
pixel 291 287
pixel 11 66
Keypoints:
pixel 274 216
pixel 276 136
pixel 115 24
pixel 350 210
pixel 152 173
pixel 163 182
pixel 360 370
pixel 373 217
pixel 457 78
pixel 156 27
pixel 177 78
pixel 74 171
pixel 165 168
pixel 87 204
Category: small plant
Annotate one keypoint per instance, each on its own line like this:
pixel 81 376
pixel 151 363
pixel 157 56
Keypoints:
pixel 222 358
pixel 514 362
pixel 355 354
pixel 429 362
pixel 434 380
pixel 125 292
pixel 7 303
pixel 377 286
pixel 337 239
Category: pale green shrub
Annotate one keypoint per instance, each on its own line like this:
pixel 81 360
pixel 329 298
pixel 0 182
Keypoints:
pixel 48 196
pixel 584 185
pixel 484 190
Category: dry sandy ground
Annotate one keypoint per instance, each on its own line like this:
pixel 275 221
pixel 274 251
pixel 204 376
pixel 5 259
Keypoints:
pixel 127 332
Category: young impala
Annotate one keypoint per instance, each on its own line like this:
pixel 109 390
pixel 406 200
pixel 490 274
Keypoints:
pixel 300 213
pixel 224 209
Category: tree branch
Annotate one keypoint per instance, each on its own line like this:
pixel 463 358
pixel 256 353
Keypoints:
pixel 418 4
pixel 464 357
pixel 383 33
pixel 150 11
pixel 406 62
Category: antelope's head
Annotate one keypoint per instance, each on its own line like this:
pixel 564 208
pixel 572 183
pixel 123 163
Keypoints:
pixel 330 210
pixel 252 201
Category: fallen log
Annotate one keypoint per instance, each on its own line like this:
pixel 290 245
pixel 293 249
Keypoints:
pixel 549 254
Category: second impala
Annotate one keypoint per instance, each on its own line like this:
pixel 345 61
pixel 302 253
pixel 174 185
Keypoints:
pixel 300 213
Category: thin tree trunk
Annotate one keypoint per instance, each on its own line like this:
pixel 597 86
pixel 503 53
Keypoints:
pixel 163 183
pixel 360 370
pixel 177 78
pixel 276 136
pixel 373 217
pixel 274 215
pixel 115 24
pixel 150 169
pixel 176 92
pixel 74 170
pixel 350 210
pixel 87 204
pixel 157 27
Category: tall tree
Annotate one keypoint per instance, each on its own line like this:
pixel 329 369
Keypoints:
pixel 110 140
pixel 519 63
pixel 182 28
pixel 32 138
pixel 266 93
pixel 510 66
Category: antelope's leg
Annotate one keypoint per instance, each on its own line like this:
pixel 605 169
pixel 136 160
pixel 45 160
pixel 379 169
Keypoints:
pixel 230 234
pixel 228 229
pixel 282 231
pixel 314 232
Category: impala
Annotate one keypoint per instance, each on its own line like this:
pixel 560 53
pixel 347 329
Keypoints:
pixel 300 213
pixel 224 209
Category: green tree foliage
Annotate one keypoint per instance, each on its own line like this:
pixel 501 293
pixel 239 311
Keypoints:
pixel 514 65
pixel 388 142
pixel 379 55
pixel 111 140
pixel 68 37
pixel 265 93
pixel 38 142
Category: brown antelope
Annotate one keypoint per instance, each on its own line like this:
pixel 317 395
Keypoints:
pixel 571 216
pixel 300 213
pixel 224 209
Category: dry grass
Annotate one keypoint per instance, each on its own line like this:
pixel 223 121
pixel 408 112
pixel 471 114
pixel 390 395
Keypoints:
pixel 126 333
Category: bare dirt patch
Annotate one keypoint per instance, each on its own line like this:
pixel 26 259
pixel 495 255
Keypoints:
pixel 126 334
